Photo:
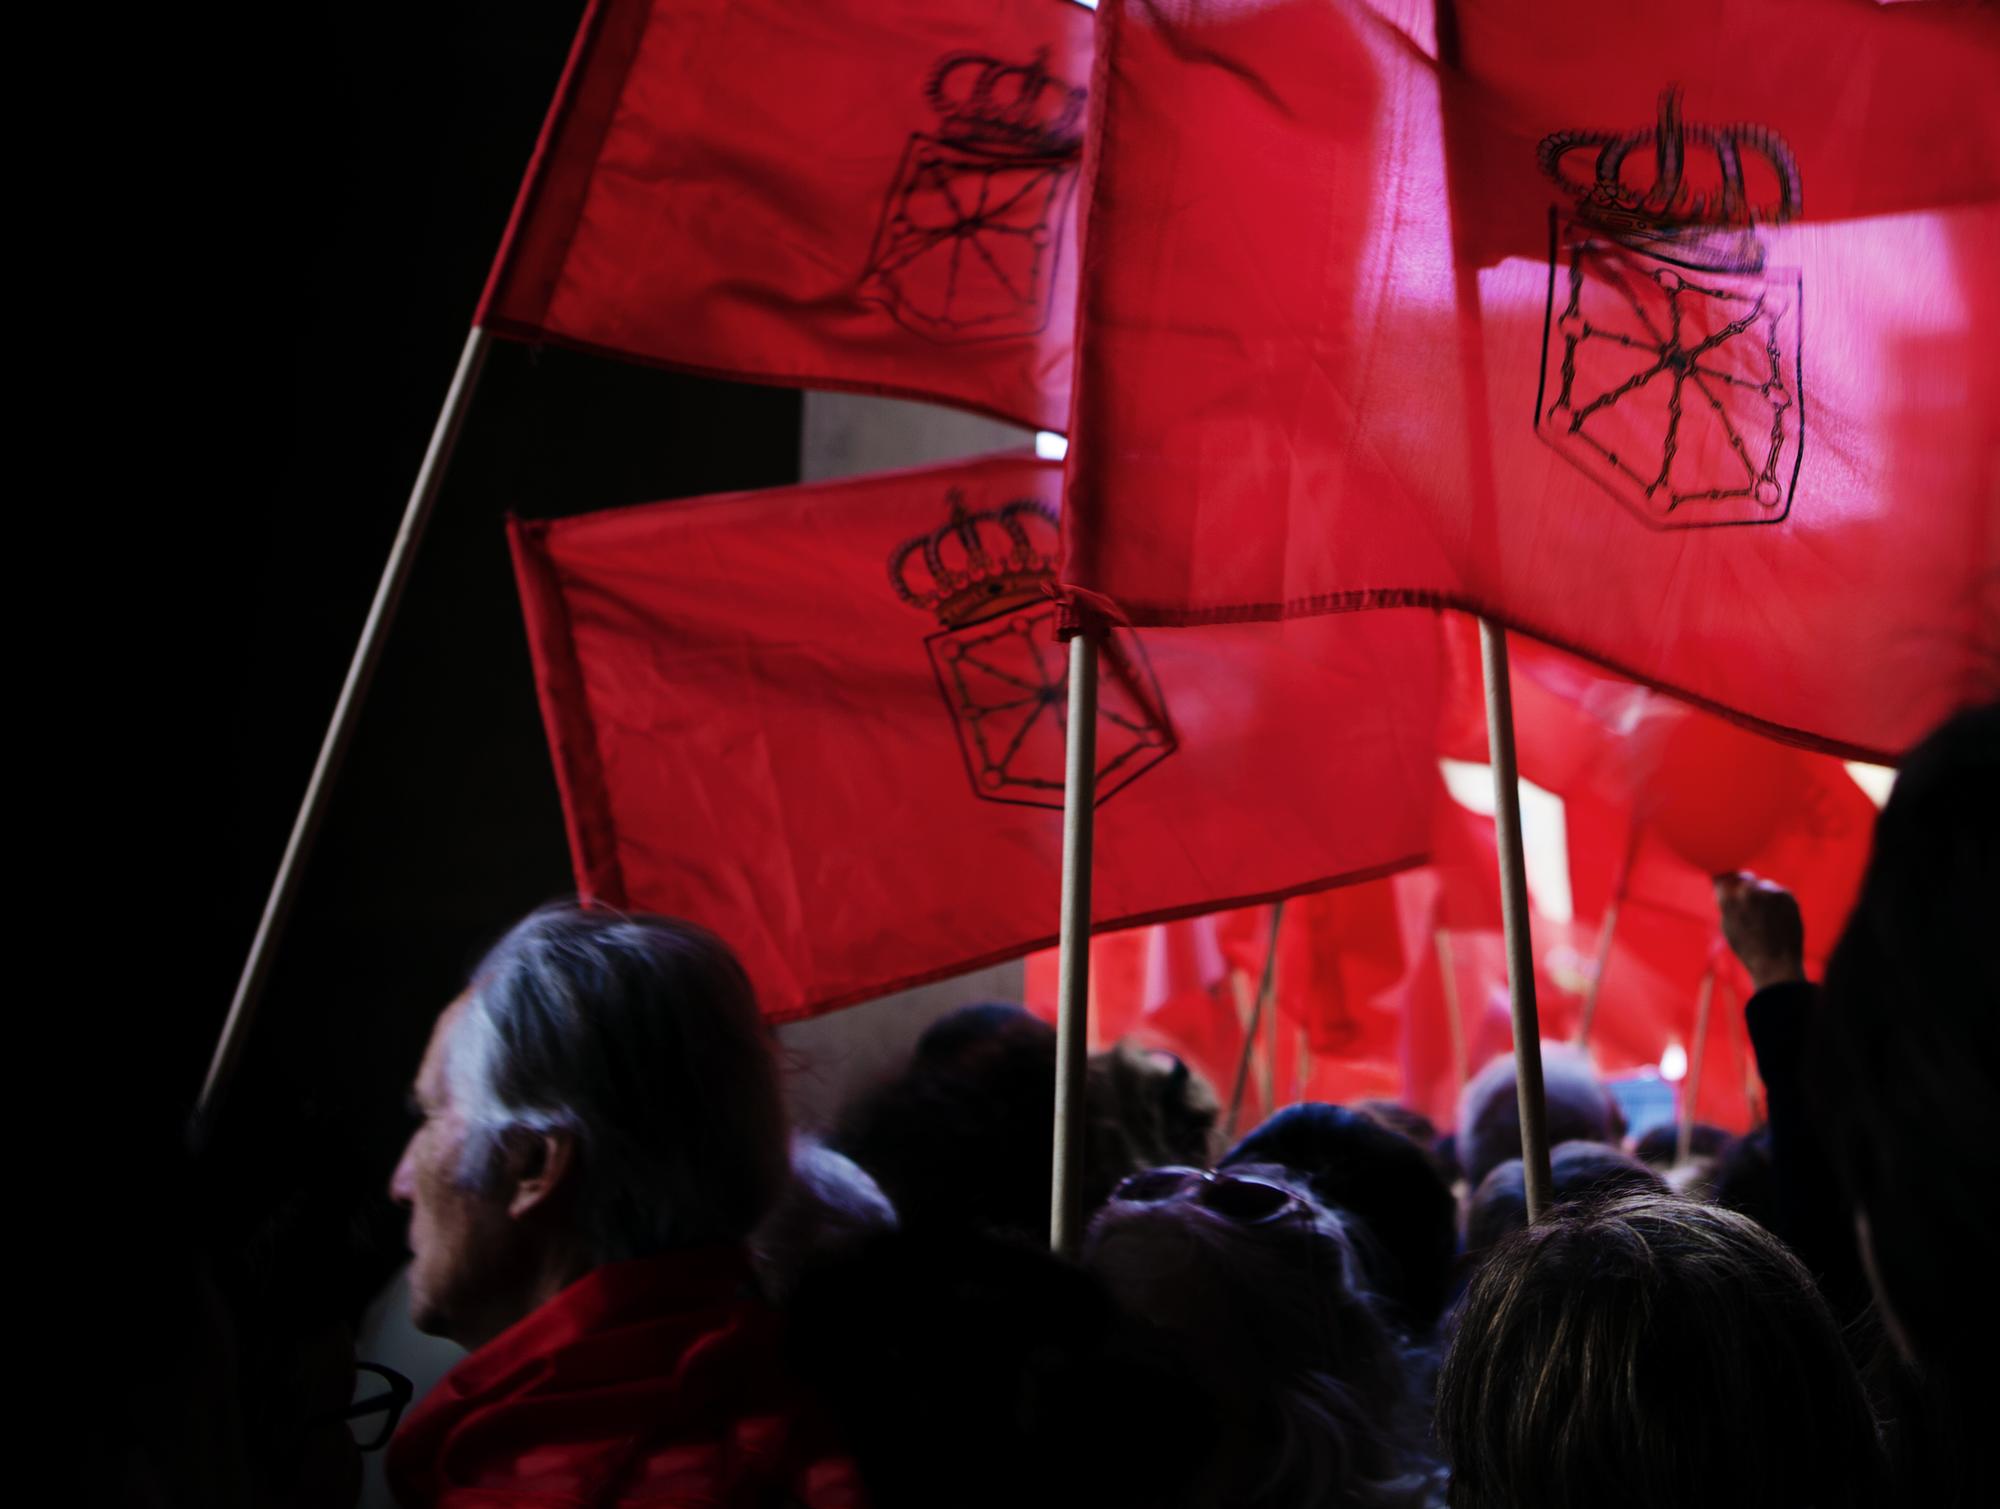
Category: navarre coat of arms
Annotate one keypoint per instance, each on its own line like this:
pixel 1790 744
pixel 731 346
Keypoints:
pixel 972 230
pixel 1672 370
pixel 985 575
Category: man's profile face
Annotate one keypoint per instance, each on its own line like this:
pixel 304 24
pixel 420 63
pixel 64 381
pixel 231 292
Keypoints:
pixel 459 1237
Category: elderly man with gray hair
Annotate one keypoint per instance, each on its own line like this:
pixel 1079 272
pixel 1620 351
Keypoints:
pixel 601 1131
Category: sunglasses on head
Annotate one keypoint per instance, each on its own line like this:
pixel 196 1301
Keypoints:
pixel 1242 1198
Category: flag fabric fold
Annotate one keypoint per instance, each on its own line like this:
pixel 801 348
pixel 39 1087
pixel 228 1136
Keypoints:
pixel 871 196
pixel 1664 335
pixel 828 722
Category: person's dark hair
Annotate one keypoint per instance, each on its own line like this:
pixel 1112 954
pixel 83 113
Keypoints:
pixel 1405 1226
pixel 964 1136
pixel 1745 1181
pixel 1147 1107
pixel 1651 1351
pixel 1660 1146
pixel 973 1370
pixel 1445 1151
pixel 1578 1171
pixel 640 1036
pixel 1259 1287
pixel 1905 1070
pixel 828 1205
pixel 965 1028
pixel 1580 1109
pixel 1414 1125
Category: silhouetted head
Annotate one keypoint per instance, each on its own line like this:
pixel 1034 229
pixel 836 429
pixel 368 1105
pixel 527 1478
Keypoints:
pixel 964 1136
pixel 1404 1218
pixel 1578 1171
pixel 1651 1352
pixel 1745 1181
pixel 1580 1109
pixel 1660 1147
pixel 828 1205
pixel 1260 1287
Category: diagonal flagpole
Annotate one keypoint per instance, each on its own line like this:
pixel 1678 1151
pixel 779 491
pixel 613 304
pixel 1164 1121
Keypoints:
pixel 1514 918
pixel 1073 960
pixel 1703 1002
pixel 1266 983
pixel 1607 933
pixel 340 731
pixel 1454 1013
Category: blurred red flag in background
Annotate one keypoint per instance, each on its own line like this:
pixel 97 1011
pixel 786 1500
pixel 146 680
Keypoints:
pixel 1663 333
pixel 1657 798
pixel 828 722
pixel 877 196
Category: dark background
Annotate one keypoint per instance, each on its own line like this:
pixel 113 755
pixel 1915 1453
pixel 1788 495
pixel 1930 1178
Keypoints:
pixel 320 207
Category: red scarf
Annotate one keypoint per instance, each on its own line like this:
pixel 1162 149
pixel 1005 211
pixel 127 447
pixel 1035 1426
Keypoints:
pixel 653 1383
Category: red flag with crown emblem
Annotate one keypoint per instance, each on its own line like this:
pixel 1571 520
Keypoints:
pixel 874 196
pixel 827 721
pixel 1663 333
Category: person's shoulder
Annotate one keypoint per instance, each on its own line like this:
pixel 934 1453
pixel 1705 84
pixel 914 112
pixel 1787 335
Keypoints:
pixel 1781 1007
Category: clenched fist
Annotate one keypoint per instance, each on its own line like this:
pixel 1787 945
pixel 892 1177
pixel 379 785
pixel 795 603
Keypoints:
pixel 1761 922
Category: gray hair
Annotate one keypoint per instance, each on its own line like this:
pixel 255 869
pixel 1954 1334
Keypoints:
pixel 1580 1109
pixel 640 1037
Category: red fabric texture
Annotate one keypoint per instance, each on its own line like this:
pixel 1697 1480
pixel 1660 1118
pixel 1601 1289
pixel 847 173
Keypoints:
pixel 656 1382
pixel 1664 334
pixel 874 196
pixel 827 722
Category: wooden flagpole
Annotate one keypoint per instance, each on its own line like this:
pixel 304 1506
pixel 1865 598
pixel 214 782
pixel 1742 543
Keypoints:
pixel 1265 988
pixel 340 731
pixel 1607 932
pixel 1244 997
pixel 1514 918
pixel 1073 960
pixel 1267 1056
pixel 1454 1014
pixel 1703 1001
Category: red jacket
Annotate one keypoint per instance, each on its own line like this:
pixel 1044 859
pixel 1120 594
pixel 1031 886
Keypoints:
pixel 643 1385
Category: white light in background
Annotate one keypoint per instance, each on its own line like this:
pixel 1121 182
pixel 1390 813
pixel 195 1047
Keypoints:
pixel 1674 1063
pixel 1544 833
pixel 1873 779
pixel 1048 444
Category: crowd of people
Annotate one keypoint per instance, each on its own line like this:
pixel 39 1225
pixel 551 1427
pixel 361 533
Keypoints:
pixel 668 1298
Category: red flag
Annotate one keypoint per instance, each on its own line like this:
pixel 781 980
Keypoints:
pixel 876 196
pixel 827 721
pixel 1662 333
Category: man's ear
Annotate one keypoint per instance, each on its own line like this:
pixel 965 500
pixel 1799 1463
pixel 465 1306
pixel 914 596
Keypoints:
pixel 541 1165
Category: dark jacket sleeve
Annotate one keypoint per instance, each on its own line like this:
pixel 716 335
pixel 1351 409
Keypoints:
pixel 1812 1213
